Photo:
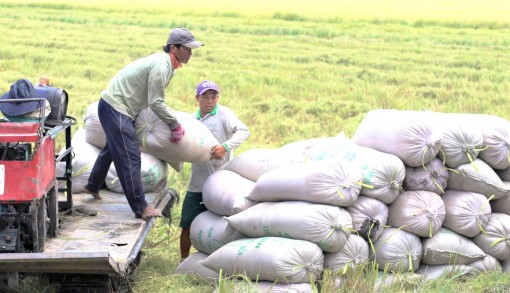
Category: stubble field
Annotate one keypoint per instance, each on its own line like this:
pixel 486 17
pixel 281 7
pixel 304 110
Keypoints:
pixel 291 70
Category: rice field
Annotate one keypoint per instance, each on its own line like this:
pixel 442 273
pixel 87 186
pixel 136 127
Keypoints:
pixel 291 70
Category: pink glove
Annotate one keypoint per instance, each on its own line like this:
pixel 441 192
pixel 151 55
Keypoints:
pixel 177 134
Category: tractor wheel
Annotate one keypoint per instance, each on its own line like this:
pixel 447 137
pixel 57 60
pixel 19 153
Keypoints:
pixel 38 211
pixel 42 227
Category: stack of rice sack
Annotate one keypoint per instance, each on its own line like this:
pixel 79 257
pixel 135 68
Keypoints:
pixel 299 213
pixel 224 195
pixel 83 159
pixel 383 175
pixel 154 171
pixel 420 189
pixel 280 242
pixel 454 199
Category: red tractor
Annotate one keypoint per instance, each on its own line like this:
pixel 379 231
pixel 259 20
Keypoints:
pixel 28 186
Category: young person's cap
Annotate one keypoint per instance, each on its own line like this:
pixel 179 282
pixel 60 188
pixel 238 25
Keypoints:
pixel 205 85
pixel 182 36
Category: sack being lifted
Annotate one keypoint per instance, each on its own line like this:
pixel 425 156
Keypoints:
pixel 154 137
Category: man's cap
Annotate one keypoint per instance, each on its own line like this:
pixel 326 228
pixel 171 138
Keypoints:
pixel 20 90
pixel 182 36
pixel 207 85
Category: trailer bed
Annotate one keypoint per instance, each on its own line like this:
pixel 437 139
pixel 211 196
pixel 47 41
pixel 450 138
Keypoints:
pixel 101 244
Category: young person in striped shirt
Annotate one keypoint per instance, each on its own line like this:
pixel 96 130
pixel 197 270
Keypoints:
pixel 231 132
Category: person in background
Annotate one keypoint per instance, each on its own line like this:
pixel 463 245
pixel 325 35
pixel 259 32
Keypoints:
pixel 230 132
pixel 138 85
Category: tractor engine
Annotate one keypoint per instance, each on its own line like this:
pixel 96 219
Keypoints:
pixel 16 228
pixel 28 197
pixel 15 219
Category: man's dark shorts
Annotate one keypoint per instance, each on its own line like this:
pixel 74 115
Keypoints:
pixel 191 207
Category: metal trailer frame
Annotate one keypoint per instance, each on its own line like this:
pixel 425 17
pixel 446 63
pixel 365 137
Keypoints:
pixel 106 244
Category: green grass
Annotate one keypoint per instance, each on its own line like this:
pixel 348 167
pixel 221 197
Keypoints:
pixel 291 70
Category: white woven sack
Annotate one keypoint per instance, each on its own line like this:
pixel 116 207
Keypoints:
pixel 154 137
pixel 325 225
pixel 461 140
pixel 327 182
pixel 298 147
pixel 354 253
pixel 208 232
pixel 193 265
pixel 433 272
pixel 502 205
pixel 252 163
pixel 505 264
pixel 94 133
pixel 504 174
pixel 84 158
pixel 477 177
pixel 369 217
pixel 327 147
pixel 384 281
pixel 496 138
pixel 177 166
pixel 487 264
pixel 387 281
pixel 447 247
pixel 225 193
pixel 398 250
pixel 153 171
pixel 433 177
pixel 400 133
pixel 467 213
pixel 419 212
pixel 383 174
pixel 270 287
pixel 496 239
pixel 266 287
pixel 274 259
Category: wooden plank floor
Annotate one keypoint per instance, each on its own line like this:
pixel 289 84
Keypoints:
pixel 114 230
